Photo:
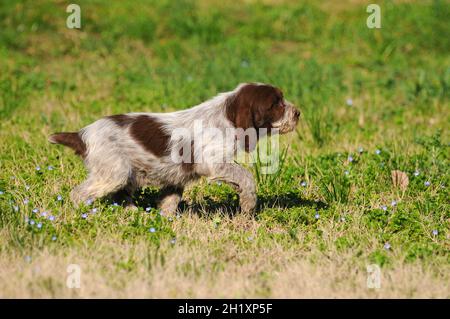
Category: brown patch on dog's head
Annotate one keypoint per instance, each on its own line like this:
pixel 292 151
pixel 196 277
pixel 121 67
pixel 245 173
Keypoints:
pixel 260 106
pixel 255 105
pixel 149 133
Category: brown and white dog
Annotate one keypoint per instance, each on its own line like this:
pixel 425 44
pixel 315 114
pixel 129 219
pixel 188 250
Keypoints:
pixel 168 150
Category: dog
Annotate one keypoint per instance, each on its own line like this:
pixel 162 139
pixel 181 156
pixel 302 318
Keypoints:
pixel 169 150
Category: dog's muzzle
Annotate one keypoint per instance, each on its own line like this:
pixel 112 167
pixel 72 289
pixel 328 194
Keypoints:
pixel 289 120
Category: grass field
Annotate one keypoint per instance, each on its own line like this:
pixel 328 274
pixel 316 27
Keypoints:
pixel 373 101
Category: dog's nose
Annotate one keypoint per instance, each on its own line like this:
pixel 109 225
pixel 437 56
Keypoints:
pixel 296 113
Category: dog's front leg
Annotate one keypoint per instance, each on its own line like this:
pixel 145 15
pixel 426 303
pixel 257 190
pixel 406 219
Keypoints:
pixel 170 198
pixel 239 177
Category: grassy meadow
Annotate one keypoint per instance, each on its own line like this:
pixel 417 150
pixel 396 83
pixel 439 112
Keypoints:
pixel 373 101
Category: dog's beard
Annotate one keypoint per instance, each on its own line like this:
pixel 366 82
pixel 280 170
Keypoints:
pixel 288 122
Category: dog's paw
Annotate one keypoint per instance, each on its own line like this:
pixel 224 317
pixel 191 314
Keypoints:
pixel 131 208
pixel 248 203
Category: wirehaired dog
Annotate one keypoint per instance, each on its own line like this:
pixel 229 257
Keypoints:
pixel 168 150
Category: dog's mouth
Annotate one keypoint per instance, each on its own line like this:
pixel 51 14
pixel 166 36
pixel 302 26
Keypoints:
pixel 288 122
pixel 285 126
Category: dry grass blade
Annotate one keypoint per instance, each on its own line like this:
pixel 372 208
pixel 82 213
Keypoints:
pixel 400 179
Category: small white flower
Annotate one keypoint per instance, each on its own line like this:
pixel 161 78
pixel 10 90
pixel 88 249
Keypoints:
pixel 148 209
pixel 84 216
pixel 38 168
pixel 350 158
pixel 50 168
pixel 393 203
pixel 349 102
pixel 35 210
pixel 316 216
pixel 384 207
pixel 51 218
pixel 173 241
pixel 435 232
pixel 360 150
pixel 245 64
pixel 94 210
pixel 427 183
pixel 16 208
pixel 32 222
pixel 387 246
pixel 1 192
pixel 39 225
pixel 346 172
pixel 342 219
pixel 377 152
pixel 26 201
pixel 416 173
pixel 89 202
pixel 44 214
pixel 303 184
pixel 152 229
pixel 115 204
pixel 54 238
pixel 59 198
pixel 27 187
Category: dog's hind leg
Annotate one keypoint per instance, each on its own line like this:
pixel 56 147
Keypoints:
pixel 98 186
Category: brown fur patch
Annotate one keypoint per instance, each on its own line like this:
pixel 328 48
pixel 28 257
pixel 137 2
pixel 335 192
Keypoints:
pixel 188 166
pixel 70 139
pixel 148 132
pixel 121 119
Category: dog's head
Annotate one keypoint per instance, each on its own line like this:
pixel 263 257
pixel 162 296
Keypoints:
pixel 257 106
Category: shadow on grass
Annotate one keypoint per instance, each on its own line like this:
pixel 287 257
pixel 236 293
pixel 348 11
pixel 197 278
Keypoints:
pixel 288 200
pixel 208 206
pixel 147 197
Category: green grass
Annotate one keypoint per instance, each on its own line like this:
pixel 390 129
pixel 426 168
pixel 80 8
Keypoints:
pixel 170 55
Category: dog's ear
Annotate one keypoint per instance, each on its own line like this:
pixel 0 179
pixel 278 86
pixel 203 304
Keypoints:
pixel 238 111
pixel 250 106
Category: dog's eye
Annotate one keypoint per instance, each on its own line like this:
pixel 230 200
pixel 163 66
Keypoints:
pixel 276 103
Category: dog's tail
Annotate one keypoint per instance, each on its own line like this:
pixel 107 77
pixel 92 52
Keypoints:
pixel 70 139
